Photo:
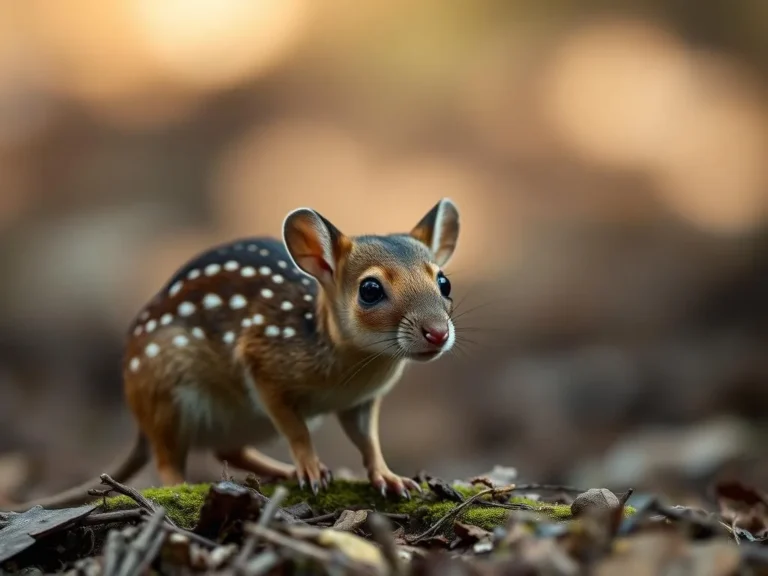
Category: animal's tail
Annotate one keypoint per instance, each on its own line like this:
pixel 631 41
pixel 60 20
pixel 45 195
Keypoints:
pixel 121 470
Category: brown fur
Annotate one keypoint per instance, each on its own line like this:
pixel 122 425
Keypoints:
pixel 335 355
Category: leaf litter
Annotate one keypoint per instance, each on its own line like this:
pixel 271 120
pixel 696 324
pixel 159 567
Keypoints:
pixel 246 529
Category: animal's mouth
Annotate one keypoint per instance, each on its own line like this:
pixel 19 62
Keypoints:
pixel 425 356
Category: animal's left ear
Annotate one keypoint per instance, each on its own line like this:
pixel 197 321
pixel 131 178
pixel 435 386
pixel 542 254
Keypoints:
pixel 439 230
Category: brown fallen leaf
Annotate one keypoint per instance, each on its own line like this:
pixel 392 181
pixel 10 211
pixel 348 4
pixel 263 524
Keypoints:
pixel 743 506
pixel 469 534
pixel 354 547
pixel 444 490
pixel 351 520
pixel 226 506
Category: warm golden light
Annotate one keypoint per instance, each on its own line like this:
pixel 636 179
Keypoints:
pixel 214 43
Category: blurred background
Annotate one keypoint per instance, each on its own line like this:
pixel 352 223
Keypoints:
pixel 608 159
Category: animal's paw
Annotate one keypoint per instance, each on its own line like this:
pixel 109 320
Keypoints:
pixel 312 473
pixel 386 481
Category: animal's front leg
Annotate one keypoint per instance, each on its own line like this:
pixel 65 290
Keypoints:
pixel 291 424
pixel 361 425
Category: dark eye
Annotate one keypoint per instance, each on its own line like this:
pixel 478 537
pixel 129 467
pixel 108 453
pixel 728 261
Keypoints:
pixel 371 291
pixel 444 284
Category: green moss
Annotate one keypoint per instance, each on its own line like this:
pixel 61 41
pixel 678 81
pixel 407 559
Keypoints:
pixel 183 503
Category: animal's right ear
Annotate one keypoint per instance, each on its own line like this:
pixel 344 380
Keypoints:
pixel 315 245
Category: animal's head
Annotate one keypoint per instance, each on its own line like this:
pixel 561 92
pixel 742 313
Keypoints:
pixel 387 294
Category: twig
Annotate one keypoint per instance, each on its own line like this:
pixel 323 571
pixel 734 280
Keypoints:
pixel 519 506
pixel 381 530
pixel 626 497
pixel 548 488
pixel 455 511
pixel 273 505
pixel 322 518
pixel 120 516
pixel 263 563
pixel 240 565
pixel 305 549
pixel 132 494
pixel 143 550
pixel 113 552
pixel 202 540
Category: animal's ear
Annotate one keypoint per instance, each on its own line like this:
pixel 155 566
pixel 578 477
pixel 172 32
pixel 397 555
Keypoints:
pixel 315 245
pixel 439 230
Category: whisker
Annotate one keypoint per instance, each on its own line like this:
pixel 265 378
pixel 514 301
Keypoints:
pixel 366 362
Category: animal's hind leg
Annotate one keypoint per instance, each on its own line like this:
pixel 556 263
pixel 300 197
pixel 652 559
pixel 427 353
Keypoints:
pixel 251 460
pixel 158 419
pixel 171 462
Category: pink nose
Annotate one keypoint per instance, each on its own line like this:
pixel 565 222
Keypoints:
pixel 434 335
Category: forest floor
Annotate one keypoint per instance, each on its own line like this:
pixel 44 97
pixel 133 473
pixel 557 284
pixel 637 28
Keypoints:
pixel 487 525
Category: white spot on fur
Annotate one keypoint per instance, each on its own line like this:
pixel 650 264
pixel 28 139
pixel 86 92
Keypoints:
pixel 151 325
pixel 152 350
pixel 246 323
pixel 198 333
pixel 308 297
pixel 308 315
pixel 166 319
pixel 288 332
pixel 180 340
pixel 267 293
pixel 271 331
pixel 144 316
pixel 135 364
pixel 238 301
pixel 138 330
pixel 264 252
pixel 193 274
pixel 258 320
pixel 211 301
pixel 212 269
pixel 229 337
pixel 231 266
pixel 305 281
pixel 248 272
pixel 277 279
pixel 175 288
pixel 265 271
pixel 282 263
pixel 285 305
pixel 252 248
pixel 186 309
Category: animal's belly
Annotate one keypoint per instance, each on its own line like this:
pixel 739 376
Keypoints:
pixel 211 422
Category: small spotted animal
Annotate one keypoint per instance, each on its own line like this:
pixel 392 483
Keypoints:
pixel 262 338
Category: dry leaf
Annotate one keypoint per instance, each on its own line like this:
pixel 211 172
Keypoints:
pixel 354 547
pixel 743 506
pixel 351 520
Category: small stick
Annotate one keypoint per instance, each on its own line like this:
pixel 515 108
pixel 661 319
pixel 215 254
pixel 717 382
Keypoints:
pixel 262 564
pixel 381 530
pixel 304 548
pixel 268 514
pixel 113 552
pixel 132 494
pixel 121 516
pixel 202 540
pixel 322 518
pixel 548 488
pixel 142 551
pixel 455 511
